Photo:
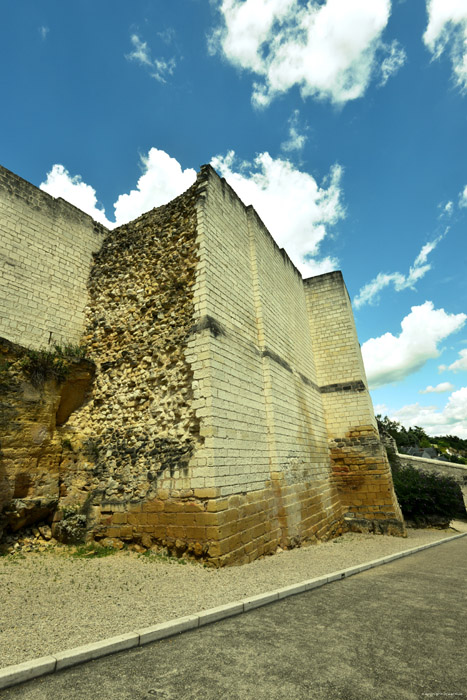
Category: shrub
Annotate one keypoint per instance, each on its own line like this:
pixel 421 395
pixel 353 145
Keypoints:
pixel 41 365
pixel 70 351
pixel 423 495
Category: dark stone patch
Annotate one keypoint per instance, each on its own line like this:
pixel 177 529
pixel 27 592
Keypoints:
pixel 214 327
pixel 357 386
pixel 277 358
pixel 307 381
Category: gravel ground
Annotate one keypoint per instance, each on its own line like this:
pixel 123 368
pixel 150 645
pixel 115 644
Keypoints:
pixel 51 601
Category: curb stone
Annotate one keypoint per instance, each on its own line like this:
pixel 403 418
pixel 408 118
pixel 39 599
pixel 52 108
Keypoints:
pixel 28 670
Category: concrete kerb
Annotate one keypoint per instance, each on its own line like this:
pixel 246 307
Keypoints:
pixel 14 675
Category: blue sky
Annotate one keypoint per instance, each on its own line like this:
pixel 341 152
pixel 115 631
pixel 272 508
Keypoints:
pixel 344 122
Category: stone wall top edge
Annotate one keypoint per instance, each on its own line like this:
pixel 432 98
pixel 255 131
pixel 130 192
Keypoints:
pixel 23 187
pixel 335 276
pixel 433 462
pixel 318 279
pixel 207 171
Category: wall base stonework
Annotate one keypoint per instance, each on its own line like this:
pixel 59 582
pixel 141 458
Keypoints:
pixel 222 531
pixel 363 478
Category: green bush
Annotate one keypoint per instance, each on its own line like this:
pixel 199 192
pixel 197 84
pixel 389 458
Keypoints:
pixel 422 495
pixel 41 365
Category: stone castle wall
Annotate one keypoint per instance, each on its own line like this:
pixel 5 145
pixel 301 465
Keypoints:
pixel 46 248
pixel 359 462
pixel 229 412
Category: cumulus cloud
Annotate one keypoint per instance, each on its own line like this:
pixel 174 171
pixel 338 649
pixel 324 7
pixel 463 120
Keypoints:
pixel 459 365
pixel 160 68
pixel 297 211
pixel 447 31
pixel 330 50
pixel 43 31
pixel 438 389
pixel 368 294
pixel 163 179
pixel 391 358
pixel 451 420
pixel 60 183
pixel 296 140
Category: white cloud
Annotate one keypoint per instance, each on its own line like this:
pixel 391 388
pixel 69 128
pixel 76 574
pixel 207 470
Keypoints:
pixel 451 420
pixel 163 69
pixel 459 365
pixel 330 50
pixel 296 140
pixel 163 179
pixel 391 358
pixel 160 67
pixel 393 62
pixel 60 183
pixel 438 389
pixel 368 294
pixel 141 52
pixel 446 209
pixel 43 31
pixel 463 198
pixel 447 30
pixel 296 210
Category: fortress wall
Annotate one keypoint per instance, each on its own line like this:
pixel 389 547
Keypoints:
pixel 45 258
pixel 234 423
pixel 228 412
pixel 262 420
pixel 358 458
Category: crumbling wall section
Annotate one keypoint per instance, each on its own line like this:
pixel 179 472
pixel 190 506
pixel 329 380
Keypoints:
pixel 136 434
pixel 31 450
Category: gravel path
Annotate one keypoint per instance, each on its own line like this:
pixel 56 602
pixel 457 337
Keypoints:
pixel 51 601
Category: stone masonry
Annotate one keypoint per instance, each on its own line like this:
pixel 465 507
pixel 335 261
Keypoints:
pixel 226 412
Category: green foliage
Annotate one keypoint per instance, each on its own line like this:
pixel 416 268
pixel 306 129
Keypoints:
pixel 93 551
pixel 416 436
pixel 444 443
pixel 422 495
pixel 66 445
pixel 70 351
pixel 155 557
pixel 41 365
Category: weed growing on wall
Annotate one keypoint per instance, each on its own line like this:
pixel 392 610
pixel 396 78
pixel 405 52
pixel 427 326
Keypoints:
pixel 70 351
pixel 42 365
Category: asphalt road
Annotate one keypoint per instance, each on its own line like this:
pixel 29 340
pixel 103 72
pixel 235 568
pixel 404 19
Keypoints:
pixel 397 632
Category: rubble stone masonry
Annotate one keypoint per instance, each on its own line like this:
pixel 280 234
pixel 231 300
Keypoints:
pixel 225 410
